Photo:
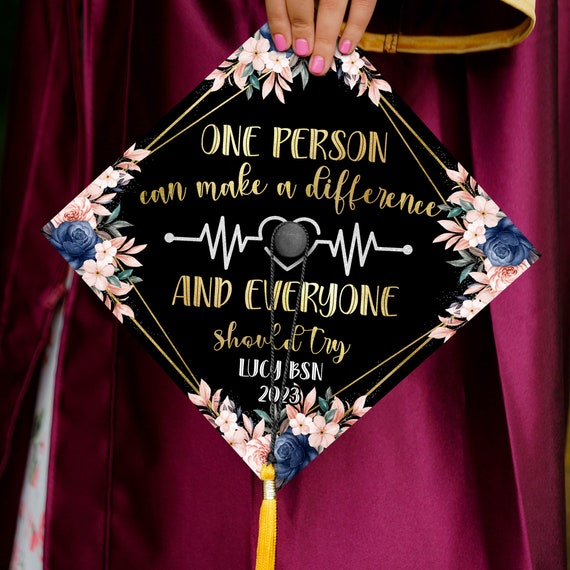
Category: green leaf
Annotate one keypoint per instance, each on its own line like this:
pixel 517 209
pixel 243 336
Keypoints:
pixel 136 279
pixel 254 81
pixel 455 212
pixel 248 70
pixel 465 273
pixel 304 75
pixel 114 214
pixel 122 224
pixel 460 262
pixel 113 280
pixel 323 404
pixel 328 394
pixel 466 254
pixel 466 205
pixel 330 415
pixel 444 207
pixel 264 416
pixel 124 274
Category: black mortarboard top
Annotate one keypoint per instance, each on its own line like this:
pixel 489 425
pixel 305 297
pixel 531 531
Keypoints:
pixel 289 248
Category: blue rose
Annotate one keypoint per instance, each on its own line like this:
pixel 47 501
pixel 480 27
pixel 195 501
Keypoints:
pixel 292 453
pixel 75 241
pixel 505 245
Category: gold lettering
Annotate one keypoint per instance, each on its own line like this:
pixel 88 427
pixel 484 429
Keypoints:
pixel 278 140
pixel 374 145
pixel 386 296
pixel 182 290
pixel 174 191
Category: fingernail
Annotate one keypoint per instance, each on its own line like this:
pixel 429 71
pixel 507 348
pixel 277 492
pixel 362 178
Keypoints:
pixel 345 46
pixel 301 47
pixel 317 64
pixel 280 42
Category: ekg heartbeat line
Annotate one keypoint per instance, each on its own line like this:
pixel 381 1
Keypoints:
pixel 347 250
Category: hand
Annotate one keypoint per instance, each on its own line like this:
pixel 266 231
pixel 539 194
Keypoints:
pixel 314 31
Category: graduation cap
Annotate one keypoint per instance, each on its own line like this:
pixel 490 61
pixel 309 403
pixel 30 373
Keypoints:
pixel 289 248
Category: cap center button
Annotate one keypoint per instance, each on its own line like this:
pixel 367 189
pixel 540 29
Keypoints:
pixel 290 239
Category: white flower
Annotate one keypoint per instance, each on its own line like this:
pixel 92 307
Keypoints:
pixel 484 212
pixel 352 63
pixel 475 234
pixel 105 252
pixel 470 308
pixel 301 424
pixel 237 438
pixel 227 421
pixel 109 178
pixel 95 274
pixel 276 61
pixel 254 52
pixel 322 433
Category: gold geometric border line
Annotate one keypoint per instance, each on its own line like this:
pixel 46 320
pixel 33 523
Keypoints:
pixel 426 147
pixel 195 384
pixel 191 382
pixel 193 106
pixel 397 365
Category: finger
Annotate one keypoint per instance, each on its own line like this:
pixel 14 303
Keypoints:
pixel 358 19
pixel 278 20
pixel 330 16
pixel 302 18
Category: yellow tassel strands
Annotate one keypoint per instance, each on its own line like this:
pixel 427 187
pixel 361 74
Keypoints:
pixel 267 537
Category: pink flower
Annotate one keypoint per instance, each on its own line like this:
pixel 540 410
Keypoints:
pixel 95 274
pixel 256 452
pixel 79 209
pixel 254 52
pixel 301 424
pixel 475 234
pixel 322 434
pixel 500 277
pixel 227 421
pixel 484 212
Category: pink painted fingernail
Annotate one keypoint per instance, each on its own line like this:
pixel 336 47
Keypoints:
pixel 345 46
pixel 301 47
pixel 280 42
pixel 317 64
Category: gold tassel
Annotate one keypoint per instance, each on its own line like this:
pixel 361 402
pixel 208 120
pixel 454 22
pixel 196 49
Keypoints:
pixel 267 537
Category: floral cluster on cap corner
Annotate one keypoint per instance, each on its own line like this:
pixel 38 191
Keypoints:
pixel 306 428
pixel 492 250
pixel 258 65
pixel 88 236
